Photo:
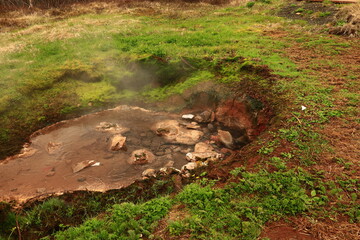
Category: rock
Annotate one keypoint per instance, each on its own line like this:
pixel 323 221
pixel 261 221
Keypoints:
pixel 187 116
pixel 41 190
pixel 189 137
pixel 168 170
pixel 192 125
pixel 111 127
pixel 210 127
pixel 189 166
pixel 167 128
pixel 226 138
pixel 141 156
pixel 81 165
pixel 27 152
pixel 203 156
pixel 198 119
pixel 149 173
pixel 203 147
pixel 204 117
pixel 168 151
pixel 186 175
pixel 193 165
pixel 171 131
pixel 96 164
pixel 52 147
pixel 143 134
pixel 169 164
pixel 118 143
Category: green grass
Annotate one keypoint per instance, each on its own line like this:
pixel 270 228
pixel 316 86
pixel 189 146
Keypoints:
pixel 124 221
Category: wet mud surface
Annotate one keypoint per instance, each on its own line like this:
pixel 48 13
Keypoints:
pixel 47 165
pixel 114 148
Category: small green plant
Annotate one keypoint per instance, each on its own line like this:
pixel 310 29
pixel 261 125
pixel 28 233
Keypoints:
pixel 265 1
pixel 340 23
pixel 324 14
pixel 299 10
pixel 268 148
pixel 250 4
pixel 176 227
pixel 278 163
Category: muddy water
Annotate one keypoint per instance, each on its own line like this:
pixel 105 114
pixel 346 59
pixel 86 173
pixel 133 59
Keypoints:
pixel 47 166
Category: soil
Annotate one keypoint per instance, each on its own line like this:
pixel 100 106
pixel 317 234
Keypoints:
pixel 282 230
pixel 313 13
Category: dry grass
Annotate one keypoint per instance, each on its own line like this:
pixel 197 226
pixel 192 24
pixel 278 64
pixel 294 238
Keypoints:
pixel 350 15
pixel 337 230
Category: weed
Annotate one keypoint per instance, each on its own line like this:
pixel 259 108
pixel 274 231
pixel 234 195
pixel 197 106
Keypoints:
pixel 125 221
pixel 324 14
pixel 268 147
pixel 299 10
pixel 250 4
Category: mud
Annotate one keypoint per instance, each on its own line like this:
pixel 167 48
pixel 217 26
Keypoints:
pixel 46 165
pixel 60 157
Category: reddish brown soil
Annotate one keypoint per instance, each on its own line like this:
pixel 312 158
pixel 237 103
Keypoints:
pixel 281 230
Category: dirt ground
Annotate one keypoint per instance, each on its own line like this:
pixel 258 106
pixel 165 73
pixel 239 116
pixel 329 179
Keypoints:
pixel 314 13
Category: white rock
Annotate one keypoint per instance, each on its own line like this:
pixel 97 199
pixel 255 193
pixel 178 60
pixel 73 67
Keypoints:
pixel 203 156
pixel 188 116
pixel 81 165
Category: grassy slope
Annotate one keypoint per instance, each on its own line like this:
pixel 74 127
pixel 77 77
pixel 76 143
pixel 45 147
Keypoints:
pixel 40 82
pixel 290 176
